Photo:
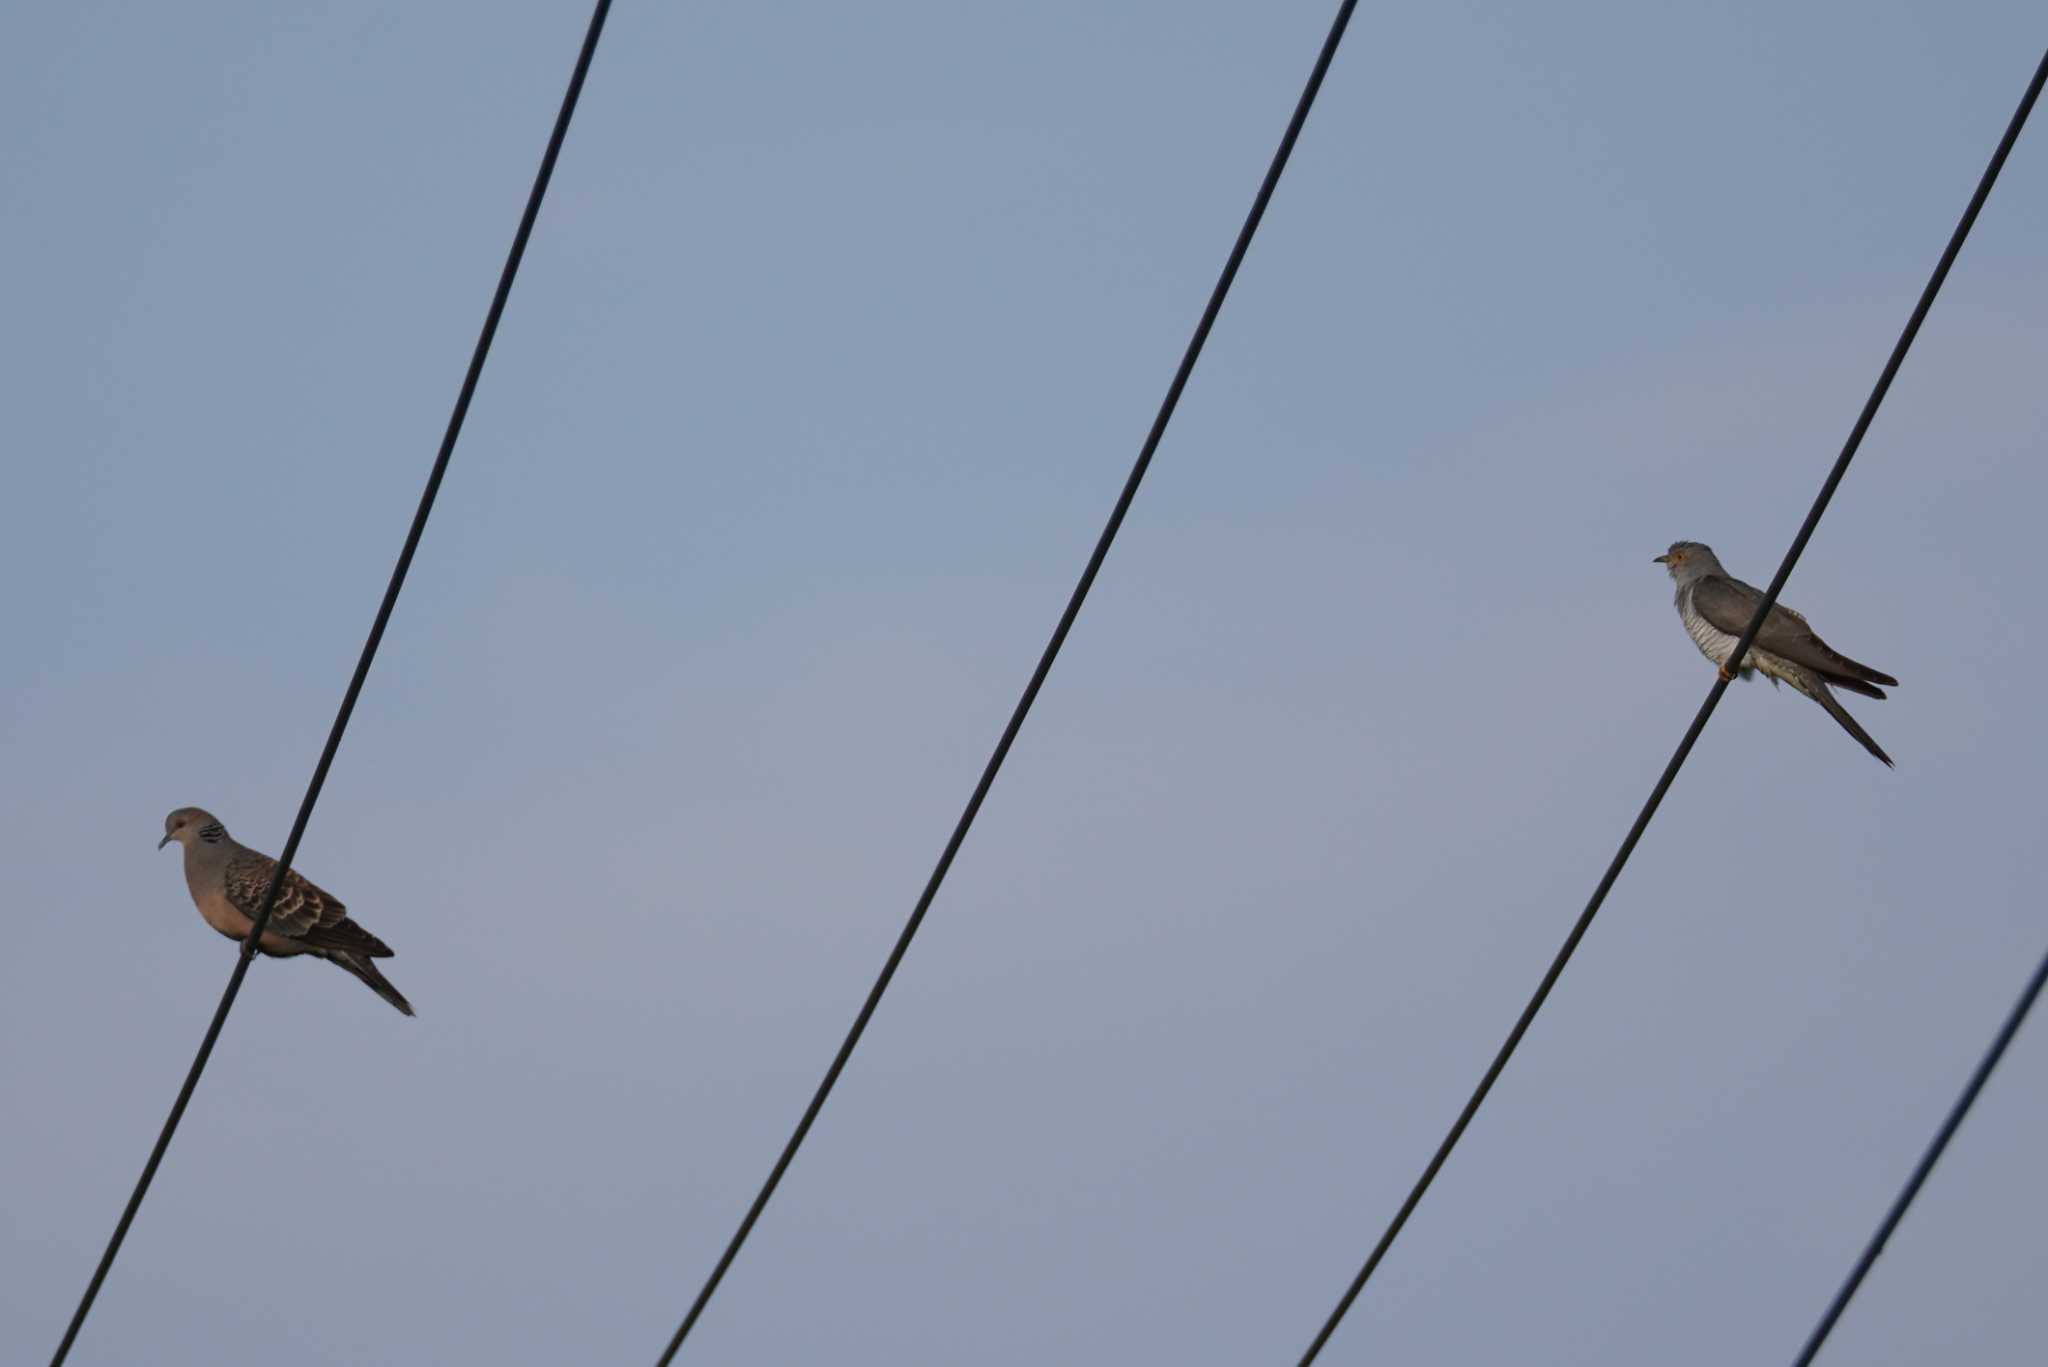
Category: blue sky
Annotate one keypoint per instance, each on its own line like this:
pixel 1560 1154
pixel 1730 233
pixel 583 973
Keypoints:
pixel 835 340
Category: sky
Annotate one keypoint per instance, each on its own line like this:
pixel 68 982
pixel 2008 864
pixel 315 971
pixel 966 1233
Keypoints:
pixel 836 338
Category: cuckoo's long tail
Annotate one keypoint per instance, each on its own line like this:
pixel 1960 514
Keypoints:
pixel 365 969
pixel 1840 713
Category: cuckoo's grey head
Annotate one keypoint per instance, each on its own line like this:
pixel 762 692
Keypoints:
pixel 1689 560
pixel 188 824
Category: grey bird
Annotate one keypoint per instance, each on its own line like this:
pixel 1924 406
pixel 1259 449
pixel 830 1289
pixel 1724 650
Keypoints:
pixel 228 880
pixel 1716 607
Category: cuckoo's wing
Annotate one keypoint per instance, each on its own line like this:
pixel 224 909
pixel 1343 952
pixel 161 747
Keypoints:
pixel 1730 603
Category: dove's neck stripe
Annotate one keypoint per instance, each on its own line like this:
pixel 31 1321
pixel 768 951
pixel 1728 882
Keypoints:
pixel 213 833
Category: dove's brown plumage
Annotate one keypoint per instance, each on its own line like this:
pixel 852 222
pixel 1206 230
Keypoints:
pixel 303 912
pixel 228 881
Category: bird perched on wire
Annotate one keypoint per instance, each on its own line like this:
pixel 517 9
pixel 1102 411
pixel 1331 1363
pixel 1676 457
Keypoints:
pixel 228 880
pixel 1716 607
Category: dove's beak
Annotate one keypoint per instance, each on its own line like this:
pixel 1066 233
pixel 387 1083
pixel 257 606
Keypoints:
pixel 1661 560
pixel 165 841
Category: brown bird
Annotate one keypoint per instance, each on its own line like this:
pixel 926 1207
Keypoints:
pixel 228 880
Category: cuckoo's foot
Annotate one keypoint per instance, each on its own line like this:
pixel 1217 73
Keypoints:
pixel 1726 677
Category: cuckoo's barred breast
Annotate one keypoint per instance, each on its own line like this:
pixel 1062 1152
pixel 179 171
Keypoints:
pixel 1713 642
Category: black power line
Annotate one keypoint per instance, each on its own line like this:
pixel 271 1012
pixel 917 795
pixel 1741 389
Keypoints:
pixel 1038 676
pixel 1699 721
pixel 2013 1020
pixel 355 683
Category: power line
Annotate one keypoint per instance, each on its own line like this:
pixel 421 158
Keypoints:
pixel 2014 1019
pixel 355 684
pixel 1038 676
pixel 1699 721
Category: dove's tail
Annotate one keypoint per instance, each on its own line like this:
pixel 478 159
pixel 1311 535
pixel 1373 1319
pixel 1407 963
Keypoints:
pixel 1840 713
pixel 364 968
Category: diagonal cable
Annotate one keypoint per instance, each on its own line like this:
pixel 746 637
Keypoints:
pixel 1038 676
pixel 2013 1020
pixel 1699 721
pixel 355 684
